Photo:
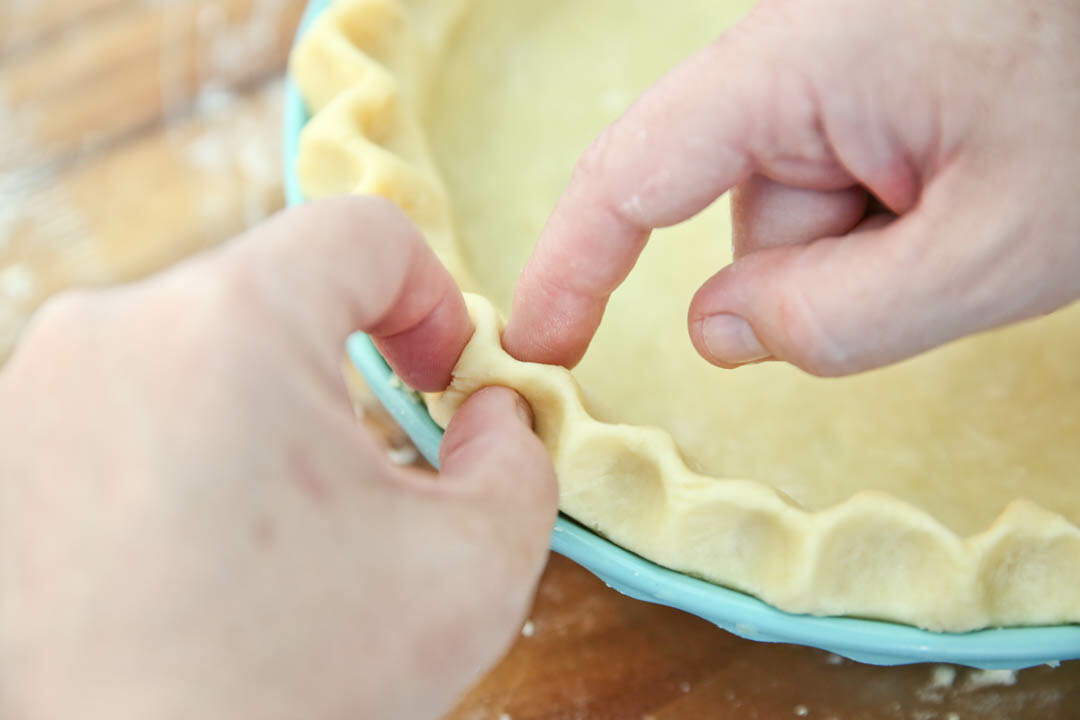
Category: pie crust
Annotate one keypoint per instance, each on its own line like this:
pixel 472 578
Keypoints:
pixel 943 492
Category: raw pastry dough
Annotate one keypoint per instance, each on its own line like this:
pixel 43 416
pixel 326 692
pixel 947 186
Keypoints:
pixel 942 492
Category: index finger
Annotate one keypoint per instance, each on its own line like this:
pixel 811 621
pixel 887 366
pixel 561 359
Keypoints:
pixel 701 130
pixel 337 266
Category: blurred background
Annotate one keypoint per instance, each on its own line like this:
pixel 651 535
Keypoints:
pixel 132 133
pixel 136 132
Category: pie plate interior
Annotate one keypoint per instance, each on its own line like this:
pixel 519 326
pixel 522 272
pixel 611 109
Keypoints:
pixel 867 641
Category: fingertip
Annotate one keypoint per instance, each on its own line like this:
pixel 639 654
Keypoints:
pixel 492 416
pixel 516 342
pixel 346 264
pixel 545 334
pixel 841 305
pixel 424 355
pixel 766 306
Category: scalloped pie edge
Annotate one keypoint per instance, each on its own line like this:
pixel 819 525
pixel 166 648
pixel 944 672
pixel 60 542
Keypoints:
pixel 363 68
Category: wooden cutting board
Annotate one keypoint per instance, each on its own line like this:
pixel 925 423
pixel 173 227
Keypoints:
pixel 134 133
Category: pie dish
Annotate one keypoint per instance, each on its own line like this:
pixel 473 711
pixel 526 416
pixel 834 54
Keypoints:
pixel 941 493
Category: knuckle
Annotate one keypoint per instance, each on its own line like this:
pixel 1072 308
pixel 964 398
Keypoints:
pixel 63 316
pixel 341 221
pixel 208 313
pixel 606 172
pixel 62 326
pixel 531 500
pixel 221 292
pixel 233 288
pixel 594 170
pixel 362 207
pixel 805 339
pixel 525 501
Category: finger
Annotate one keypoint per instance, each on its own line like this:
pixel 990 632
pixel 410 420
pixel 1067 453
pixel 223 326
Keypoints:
pixel 881 294
pixel 765 214
pixel 694 135
pixel 490 445
pixel 356 263
pixel 483 528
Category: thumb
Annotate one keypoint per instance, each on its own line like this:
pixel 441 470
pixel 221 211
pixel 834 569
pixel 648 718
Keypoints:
pixel 490 448
pixel 477 539
pixel 883 293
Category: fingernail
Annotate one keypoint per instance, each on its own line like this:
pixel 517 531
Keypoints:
pixel 730 340
pixel 524 411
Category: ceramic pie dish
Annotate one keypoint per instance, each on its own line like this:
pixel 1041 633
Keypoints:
pixel 426 103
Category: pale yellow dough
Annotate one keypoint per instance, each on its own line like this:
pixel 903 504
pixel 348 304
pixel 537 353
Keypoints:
pixel 944 492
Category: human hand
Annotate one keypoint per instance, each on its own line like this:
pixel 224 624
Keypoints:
pixel 959 117
pixel 192 523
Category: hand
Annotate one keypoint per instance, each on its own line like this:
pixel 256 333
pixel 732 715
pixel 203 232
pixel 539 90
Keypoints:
pixel 192 524
pixel 959 117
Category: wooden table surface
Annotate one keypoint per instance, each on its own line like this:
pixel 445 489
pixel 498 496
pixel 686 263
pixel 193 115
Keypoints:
pixel 135 132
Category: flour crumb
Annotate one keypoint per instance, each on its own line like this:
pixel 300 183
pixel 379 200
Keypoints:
pixel 801 710
pixel 952 716
pixel 684 686
pixel 942 676
pixel 832 659
pixel 632 206
pixel 528 629
pixel 989 678
pixel 398 384
pixel 405 455
pixel 505 716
